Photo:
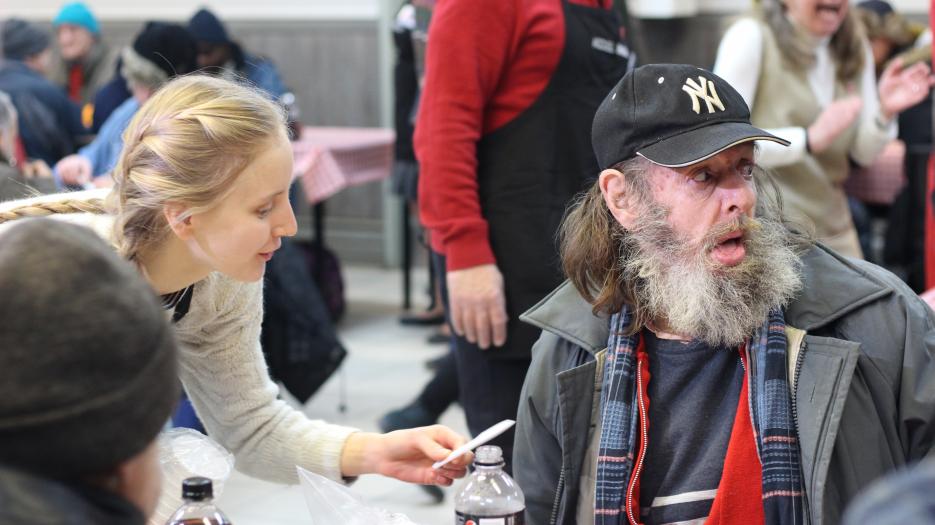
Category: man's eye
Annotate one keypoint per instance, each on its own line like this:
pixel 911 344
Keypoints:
pixel 746 171
pixel 701 176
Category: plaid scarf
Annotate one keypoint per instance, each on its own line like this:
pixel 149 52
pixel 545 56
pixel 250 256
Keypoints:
pixel 770 410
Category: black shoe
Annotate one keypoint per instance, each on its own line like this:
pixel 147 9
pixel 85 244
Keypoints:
pixel 422 319
pixel 438 338
pixel 435 492
pixel 410 416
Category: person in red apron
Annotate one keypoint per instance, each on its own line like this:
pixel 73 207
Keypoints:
pixel 503 143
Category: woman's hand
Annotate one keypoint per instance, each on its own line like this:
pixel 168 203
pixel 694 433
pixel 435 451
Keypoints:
pixel 406 455
pixel 903 87
pixel 36 169
pixel 833 120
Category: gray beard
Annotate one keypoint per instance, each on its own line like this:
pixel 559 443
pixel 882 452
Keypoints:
pixel 685 290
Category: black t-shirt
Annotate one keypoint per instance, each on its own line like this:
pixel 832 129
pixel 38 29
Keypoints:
pixel 693 394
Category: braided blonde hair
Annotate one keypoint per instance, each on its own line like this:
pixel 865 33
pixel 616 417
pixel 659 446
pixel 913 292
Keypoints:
pixel 46 208
pixel 186 145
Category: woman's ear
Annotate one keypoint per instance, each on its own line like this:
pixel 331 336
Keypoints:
pixel 178 219
pixel 614 187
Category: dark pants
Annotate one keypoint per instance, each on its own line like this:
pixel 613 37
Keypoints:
pixel 489 387
pixel 442 390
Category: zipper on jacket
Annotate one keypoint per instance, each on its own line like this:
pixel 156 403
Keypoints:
pixel 645 437
pixel 558 496
pixel 799 359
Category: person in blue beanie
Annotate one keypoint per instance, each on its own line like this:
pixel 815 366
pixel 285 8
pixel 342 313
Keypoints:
pixel 83 62
pixel 218 54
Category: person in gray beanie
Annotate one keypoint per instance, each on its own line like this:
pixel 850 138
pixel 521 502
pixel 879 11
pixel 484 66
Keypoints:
pixel 87 380
pixel 22 40
pixel 50 124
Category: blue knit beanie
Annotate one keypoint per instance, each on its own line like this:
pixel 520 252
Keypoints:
pixel 205 27
pixel 78 14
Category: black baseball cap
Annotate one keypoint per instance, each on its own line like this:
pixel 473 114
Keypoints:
pixel 672 114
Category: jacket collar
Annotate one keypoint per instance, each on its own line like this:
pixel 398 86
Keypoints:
pixel 832 287
pixel 96 57
pixel 32 499
pixel 18 66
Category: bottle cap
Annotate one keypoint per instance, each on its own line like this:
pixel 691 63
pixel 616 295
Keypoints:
pixel 488 455
pixel 197 489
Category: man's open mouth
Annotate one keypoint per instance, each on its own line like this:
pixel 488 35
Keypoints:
pixel 832 7
pixel 731 240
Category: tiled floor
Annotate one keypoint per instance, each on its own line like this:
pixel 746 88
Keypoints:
pixel 384 369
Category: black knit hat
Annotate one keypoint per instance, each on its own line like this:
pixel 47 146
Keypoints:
pixel 169 46
pixel 22 40
pixel 206 27
pixel 88 360
pixel 672 114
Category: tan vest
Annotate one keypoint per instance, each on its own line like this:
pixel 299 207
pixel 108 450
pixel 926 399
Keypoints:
pixel 812 191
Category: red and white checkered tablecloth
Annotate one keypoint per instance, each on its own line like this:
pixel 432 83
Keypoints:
pixel 329 159
pixel 881 181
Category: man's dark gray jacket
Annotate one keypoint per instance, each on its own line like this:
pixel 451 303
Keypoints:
pixel 863 386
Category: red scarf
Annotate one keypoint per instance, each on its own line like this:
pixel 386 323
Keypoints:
pixel 739 498
pixel 75 82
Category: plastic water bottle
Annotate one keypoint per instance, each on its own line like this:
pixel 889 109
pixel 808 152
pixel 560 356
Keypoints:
pixel 489 496
pixel 199 508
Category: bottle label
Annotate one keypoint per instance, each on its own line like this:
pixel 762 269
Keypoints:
pixel 504 519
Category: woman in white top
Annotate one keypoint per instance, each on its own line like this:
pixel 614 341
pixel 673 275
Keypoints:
pixel 807 74
pixel 200 203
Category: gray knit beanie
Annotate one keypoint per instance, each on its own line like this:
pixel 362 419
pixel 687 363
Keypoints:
pixel 22 40
pixel 87 358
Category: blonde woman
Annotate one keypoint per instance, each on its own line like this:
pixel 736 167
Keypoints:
pixel 806 71
pixel 200 205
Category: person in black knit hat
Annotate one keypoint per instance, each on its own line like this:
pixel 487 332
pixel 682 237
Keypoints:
pixel 218 54
pixel 87 380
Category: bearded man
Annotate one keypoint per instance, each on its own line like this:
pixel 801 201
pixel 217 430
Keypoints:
pixel 705 362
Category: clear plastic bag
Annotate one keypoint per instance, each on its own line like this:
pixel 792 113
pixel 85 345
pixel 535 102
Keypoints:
pixel 184 453
pixel 330 503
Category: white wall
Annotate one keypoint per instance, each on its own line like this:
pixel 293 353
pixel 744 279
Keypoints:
pixel 333 9
pixel 659 8
pixel 226 9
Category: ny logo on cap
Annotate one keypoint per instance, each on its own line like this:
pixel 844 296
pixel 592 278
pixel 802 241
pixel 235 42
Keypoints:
pixel 706 91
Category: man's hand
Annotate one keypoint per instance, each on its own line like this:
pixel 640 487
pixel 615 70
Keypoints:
pixel 835 118
pixel 74 170
pixel 903 87
pixel 478 305
pixel 36 169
